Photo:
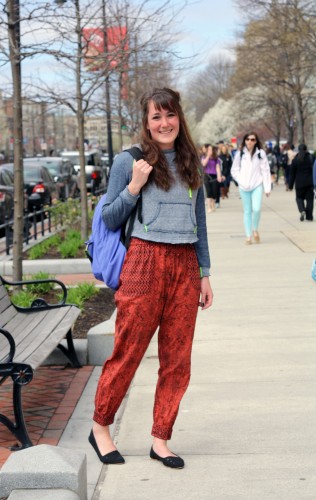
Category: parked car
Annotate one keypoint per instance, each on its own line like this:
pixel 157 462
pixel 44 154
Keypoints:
pixel 7 196
pixel 6 205
pixel 95 174
pixel 105 164
pixel 39 184
pixel 63 173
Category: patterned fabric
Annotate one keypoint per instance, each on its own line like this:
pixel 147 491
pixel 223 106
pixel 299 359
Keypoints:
pixel 160 287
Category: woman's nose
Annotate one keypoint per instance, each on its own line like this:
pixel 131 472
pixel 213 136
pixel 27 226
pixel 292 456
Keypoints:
pixel 164 121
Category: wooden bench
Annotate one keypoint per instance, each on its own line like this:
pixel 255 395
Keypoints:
pixel 27 338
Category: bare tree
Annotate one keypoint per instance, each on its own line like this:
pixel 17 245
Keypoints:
pixel 208 85
pixel 277 53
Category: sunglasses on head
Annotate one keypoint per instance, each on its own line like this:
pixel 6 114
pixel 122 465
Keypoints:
pixel 252 139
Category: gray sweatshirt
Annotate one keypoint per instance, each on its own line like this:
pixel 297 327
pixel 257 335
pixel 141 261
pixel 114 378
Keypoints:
pixel 176 216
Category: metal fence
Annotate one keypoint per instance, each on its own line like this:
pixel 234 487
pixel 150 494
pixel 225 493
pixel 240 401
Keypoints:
pixel 39 223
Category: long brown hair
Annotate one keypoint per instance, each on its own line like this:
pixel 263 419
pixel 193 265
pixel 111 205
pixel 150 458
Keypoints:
pixel 187 159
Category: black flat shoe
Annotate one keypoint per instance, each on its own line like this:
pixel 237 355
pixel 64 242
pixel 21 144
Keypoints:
pixel 173 462
pixel 114 457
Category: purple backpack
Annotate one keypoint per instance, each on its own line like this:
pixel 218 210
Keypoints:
pixel 106 249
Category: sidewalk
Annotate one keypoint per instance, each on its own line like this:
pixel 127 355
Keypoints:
pixel 247 424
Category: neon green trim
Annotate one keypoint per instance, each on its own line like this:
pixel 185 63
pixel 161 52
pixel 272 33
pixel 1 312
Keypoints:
pixel 146 228
pixel 190 193
pixel 195 230
pixel 201 273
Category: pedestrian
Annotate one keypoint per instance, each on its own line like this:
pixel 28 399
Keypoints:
pixel 301 174
pixel 272 164
pixel 251 171
pixel 165 273
pixel 289 155
pixel 212 176
pixel 227 161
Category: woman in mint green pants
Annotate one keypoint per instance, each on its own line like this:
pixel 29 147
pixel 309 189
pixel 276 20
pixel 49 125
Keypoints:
pixel 251 171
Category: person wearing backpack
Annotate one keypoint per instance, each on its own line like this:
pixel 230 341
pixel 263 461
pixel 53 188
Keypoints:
pixel 251 171
pixel 301 174
pixel 165 275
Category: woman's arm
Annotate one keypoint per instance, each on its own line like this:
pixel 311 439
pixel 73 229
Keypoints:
pixel 119 201
pixel 235 170
pixel 220 178
pixel 201 246
pixel 265 172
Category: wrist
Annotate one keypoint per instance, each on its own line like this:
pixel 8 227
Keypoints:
pixel 133 189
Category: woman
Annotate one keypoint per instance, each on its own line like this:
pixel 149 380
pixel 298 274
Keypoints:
pixel 212 176
pixel 165 272
pixel 251 171
pixel 227 161
pixel 290 153
pixel 301 174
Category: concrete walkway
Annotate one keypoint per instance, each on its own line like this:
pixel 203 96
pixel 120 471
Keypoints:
pixel 247 424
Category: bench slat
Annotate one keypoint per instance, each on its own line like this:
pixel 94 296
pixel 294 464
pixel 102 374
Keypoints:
pixel 46 335
pixel 5 302
pixel 20 327
pixel 3 291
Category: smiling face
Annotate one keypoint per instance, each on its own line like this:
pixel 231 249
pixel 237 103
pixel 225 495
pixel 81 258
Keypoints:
pixel 163 125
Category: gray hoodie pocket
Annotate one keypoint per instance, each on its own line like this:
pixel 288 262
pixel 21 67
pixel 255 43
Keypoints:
pixel 172 218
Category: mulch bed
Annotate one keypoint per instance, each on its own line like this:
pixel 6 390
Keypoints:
pixel 97 309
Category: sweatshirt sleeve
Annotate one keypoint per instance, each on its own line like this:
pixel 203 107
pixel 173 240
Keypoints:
pixel 119 201
pixel 235 170
pixel 201 246
pixel 265 172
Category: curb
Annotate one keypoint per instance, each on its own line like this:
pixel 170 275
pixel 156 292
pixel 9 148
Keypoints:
pixel 52 266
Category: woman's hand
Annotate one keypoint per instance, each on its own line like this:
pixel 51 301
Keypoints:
pixel 141 171
pixel 206 293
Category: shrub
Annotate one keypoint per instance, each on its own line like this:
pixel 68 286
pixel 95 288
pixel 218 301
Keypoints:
pixel 38 288
pixel 69 248
pixel 42 248
pixel 24 298
pixel 81 293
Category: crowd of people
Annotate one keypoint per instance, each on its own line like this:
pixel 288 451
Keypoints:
pixel 256 168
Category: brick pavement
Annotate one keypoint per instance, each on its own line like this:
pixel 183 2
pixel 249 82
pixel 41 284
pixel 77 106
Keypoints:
pixel 74 279
pixel 48 403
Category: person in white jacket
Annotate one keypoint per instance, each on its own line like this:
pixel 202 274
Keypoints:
pixel 251 171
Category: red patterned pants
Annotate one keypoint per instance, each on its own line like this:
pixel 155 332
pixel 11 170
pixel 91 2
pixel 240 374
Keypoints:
pixel 160 287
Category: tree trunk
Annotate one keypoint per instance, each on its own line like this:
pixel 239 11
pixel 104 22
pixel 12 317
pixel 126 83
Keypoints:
pixel 120 121
pixel 15 61
pixel 299 118
pixel 80 120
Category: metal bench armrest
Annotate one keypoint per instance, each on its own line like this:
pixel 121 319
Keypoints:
pixel 38 303
pixel 11 341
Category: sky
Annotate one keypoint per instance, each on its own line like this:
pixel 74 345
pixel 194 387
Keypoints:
pixel 210 27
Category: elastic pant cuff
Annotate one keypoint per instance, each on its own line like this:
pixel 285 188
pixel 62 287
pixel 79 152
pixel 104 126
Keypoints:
pixel 161 432
pixel 104 421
